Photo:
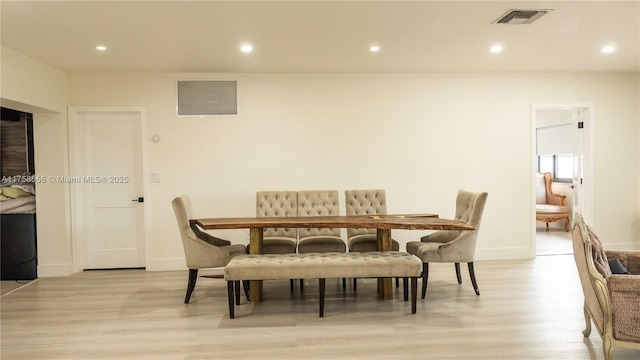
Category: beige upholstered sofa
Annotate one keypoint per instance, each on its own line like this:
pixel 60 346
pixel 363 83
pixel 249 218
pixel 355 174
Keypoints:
pixel 550 207
pixel 612 301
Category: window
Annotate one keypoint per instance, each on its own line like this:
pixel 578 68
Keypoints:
pixel 561 166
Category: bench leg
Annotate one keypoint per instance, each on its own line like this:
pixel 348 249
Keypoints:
pixel 230 287
pixel 246 286
pixel 414 294
pixel 236 290
pixel 458 273
pixel 405 288
pixel 321 282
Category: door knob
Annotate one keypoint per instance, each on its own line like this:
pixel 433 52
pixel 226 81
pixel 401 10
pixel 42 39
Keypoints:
pixel 140 199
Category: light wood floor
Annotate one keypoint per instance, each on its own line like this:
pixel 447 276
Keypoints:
pixel 529 309
pixel 553 241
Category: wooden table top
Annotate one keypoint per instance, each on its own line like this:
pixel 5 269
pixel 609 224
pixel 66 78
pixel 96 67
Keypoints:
pixel 400 221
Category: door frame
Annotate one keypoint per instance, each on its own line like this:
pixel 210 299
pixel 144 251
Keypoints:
pixel 587 170
pixel 77 194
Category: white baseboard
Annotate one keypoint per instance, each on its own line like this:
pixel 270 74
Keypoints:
pixel 53 270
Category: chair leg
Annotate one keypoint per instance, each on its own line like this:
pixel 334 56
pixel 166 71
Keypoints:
pixel 397 282
pixel 458 273
pixel 321 283
pixel 405 288
pixel 425 277
pixel 344 284
pixel 291 285
pixel 236 290
pixel 301 285
pixel 587 318
pixel 230 291
pixel 472 274
pixel 414 294
pixel 355 284
pixel 193 276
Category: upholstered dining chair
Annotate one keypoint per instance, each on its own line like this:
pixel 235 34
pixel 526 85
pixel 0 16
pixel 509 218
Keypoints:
pixel 366 202
pixel 278 203
pixel 453 246
pixel 278 240
pixel 319 203
pixel 201 250
pixel 611 300
pixel 319 240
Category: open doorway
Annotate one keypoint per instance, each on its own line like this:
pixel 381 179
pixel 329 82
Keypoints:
pixel 561 147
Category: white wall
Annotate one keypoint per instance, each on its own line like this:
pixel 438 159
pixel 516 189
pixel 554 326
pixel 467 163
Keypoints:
pixel 31 86
pixel 419 136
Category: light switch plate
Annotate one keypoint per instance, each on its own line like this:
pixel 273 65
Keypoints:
pixel 155 176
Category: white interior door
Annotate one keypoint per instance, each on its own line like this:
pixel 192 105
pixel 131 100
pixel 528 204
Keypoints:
pixel 109 170
pixel 576 184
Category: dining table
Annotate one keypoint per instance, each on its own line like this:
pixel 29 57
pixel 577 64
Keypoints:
pixel 382 223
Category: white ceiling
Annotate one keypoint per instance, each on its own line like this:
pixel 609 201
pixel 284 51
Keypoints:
pixel 322 36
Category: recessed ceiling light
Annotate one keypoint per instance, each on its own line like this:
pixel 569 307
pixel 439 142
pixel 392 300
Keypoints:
pixel 246 48
pixel 101 48
pixel 374 48
pixel 608 49
pixel 496 48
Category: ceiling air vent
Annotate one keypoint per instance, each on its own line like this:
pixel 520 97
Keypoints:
pixel 515 16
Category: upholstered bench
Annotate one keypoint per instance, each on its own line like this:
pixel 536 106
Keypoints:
pixel 323 266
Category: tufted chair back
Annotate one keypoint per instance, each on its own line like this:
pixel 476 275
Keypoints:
pixel 277 203
pixel 470 206
pixel 365 202
pixel 318 203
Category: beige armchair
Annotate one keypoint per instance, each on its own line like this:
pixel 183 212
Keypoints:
pixel 612 301
pixel 453 246
pixel 201 250
pixel 550 207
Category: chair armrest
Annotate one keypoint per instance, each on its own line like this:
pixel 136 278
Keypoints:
pixel 441 236
pixel 629 258
pixel 556 199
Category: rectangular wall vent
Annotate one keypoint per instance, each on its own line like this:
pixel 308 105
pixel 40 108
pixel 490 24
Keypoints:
pixel 515 16
pixel 207 98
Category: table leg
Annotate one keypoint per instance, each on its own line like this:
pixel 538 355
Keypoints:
pixel 255 247
pixel 384 244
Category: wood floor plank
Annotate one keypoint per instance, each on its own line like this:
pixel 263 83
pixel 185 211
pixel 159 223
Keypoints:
pixel 529 309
